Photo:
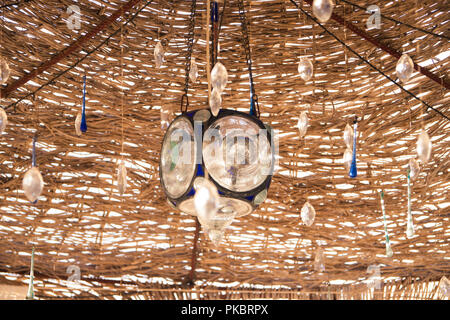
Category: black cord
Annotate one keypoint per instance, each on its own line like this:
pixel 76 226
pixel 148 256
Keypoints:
pixel 399 22
pixel 79 61
pixel 370 64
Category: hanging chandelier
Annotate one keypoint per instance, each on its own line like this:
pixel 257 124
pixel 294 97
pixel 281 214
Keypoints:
pixel 217 164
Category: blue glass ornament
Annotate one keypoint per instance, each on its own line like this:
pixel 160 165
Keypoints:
pixel 83 126
pixel 353 173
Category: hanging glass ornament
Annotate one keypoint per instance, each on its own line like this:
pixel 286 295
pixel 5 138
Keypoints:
pixel 423 147
pixel 404 68
pixel 165 121
pixel 305 68
pixel 319 265
pixel 444 286
pixel 83 125
pixel 308 214
pixel 410 226
pixel 193 72
pixel 348 136
pixel 216 236
pixel 353 173
pixel 414 169
pixel 323 9
pixel 219 77
pixel 206 202
pixel 389 252
pixel 302 123
pixel 30 292
pixel 347 159
pixel 121 178
pixel 3 120
pixel 4 71
pixel 159 55
pixel 32 183
pixel 78 124
pixel 215 101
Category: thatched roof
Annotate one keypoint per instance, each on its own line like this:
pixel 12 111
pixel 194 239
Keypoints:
pixel 136 245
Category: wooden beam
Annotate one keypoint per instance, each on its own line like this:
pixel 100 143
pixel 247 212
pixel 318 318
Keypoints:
pixel 441 81
pixel 69 50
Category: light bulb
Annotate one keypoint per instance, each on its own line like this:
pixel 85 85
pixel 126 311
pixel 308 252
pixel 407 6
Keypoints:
pixel 33 184
pixel 121 178
pixel 193 73
pixel 348 136
pixel 302 123
pixel 78 124
pixel 159 55
pixel 347 158
pixel 318 261
pixel 3 120
pixel 206 201
pixel 219 77
pixel 404 68
pixel 308 214
pixel 423 147
pixel 305 68
pixel 4 71
pixel 215 101
pixel 414 169
pixel 323 9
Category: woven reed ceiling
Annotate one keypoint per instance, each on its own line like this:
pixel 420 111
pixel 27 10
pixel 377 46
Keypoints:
pixel 136 242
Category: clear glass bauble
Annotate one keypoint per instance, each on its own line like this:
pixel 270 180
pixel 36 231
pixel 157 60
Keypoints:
pixel 215 101
pixel 32 184
pixel 404 68
pixel 319 265
pixel 302 123
pixel 348 136
pixel 389 252
pixel 347 158
pixel 3 120
pixel 159 55
pixel 165 119
pixel 78 124
pixel 193 72
pixel 121 178
pixel 322 9
pixel 308 214
pixel 414 169
pixel 219 77
pixel 423 147
pixel 4 71
pixel 305 68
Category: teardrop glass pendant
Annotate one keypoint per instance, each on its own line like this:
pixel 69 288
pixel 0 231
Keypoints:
pixel 305 68
pixel 219 77
pixel 216 236
pixel 414 169
pixel 215 102
pixel 353 173
pixel 206 202
pixel 302 123
pixel 308 214
pixel 193 72
pixel 404 68
pixel 3 120
pixel 323 9
pixel 159 55
pixel 165 121
pixel 32 184
pixel 83 125
pixel 348 136
pixel 319 265
pixel 389 252
pixel 78 124
pixel 4 71
pixel 121 178
pixel 424 147
pixel 347 159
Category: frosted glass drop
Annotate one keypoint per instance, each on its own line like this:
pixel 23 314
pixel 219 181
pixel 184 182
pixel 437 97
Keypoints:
pixel 193 73
pixel 319 265
pixel 410 230
pixel 215 101
pixel 308 214
pixel 302 123
pixel 348 136
pixel 4 71
pixel 305 68
pixel 78 124
pixel 347 159
pixel 216 236
pixel 3 120
pixel 206 201
pixel 121 178
pixel 389 252
pixel 33 184
pixel 414 169
pixel 323 9
pixel 165 122
pixel 423 147
pixel 444 286
pixel 404 68
pixel 219 77
pixel 159 55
